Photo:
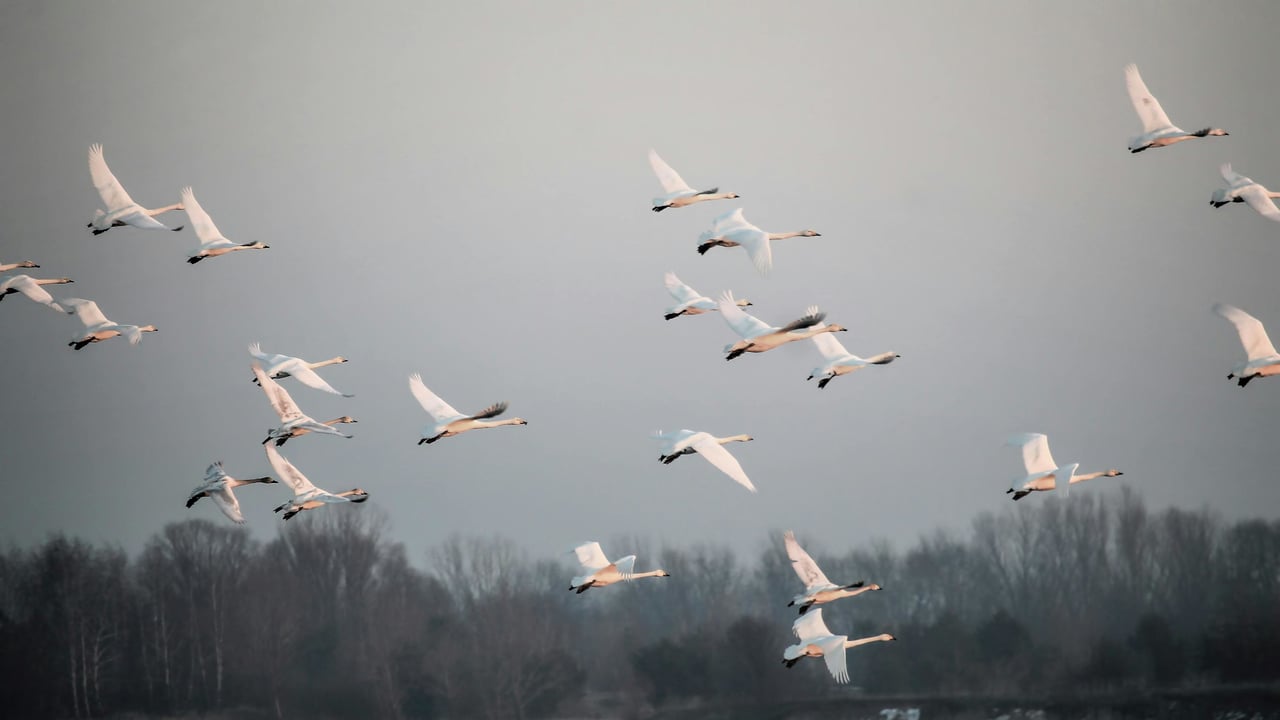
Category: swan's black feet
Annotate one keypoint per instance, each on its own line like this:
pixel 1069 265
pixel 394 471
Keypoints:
pixel 177 228
pixel 1021 494
pixel 660 208
pixel 196 259
pixel 672 316
pixel 823 383
pixel 704 247
pixel 79 345
pixel 98 232
pixel 1244 380
pixel 790 663
pixel 735 354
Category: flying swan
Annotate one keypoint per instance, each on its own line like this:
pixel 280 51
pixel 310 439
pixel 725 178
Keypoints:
pixel 218 486
pixel 686 442
pixel 758 337
pixel 733 230
pixel 678 192
pixel 690 302
pixel 98 328
pixel 817 588
pixel 305 495
pixel 817 641
pixel 283 366
pixel 1262 359
pixel 1157 131
pixel 121 209
pixel 291 418
pixel 30 287
pixel 840 361
pixel 1242 189
pixel 449 422
pixel 599 572
pixel 1042 471
pixel 212 243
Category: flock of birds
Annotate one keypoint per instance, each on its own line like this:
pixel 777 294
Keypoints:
pixel 731 229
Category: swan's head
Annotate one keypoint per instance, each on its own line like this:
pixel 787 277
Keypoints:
pixel 1112 473
pixel 29 264
pixel 148 328
pixel 733 196
pixel 1218 131
pixel 519 421
pixel 887 637
pixel 810 233
pixel 836 328
pixel 663 573
pixel 873 586
pixel 346 419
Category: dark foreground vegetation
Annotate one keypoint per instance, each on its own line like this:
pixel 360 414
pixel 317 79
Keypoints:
pixel 1042 602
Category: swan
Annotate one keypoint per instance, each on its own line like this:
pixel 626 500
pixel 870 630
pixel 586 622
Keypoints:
pixel 678 192
pixel 817 641
pixel 1042 471
pixel 1242 189
pixel 305 495
pixel 733 230
pixel 1157 131
pixel 758 337
pixel 599 572
pixel 283 366
pixel 685 442
pixel 1262 358
pixel 691 303
pixel 218 486
pixel 450 422
pixel 840 361
pixel 291 418
pixel 300 431
pixel 212 243
pixel 6 267
pixel 98 328
pixel 817 588
pixel 30 287
pixel 121 209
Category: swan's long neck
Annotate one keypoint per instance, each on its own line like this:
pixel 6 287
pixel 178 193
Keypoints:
pixel 717 196
pixel 54 281
pixel 863 641
pixel 733 438
pixel 165 209
pixel 787 235
pixel 1090 476
pixel 651 573
pixel 811 331
pixel 1272 194
pixel 335 421
pixel 499 423
pixel 323 363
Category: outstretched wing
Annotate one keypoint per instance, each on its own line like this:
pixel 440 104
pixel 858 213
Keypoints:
pixel 493 410
pixel 308 377
pixel 731 220
pixel 679 290
pixel 1062 482
pixel 739 320
pixel 810 626
pixel 715 454
pixel 1149 110
pixel 29 287
pixel 812 317
pixel 591 557
pixel 810 574
pixel 228 504
pixel 438 409
pixel 206 231
pixel 109 189
pixel 670 179
pixel 756 242
pixel 1252 335
pixel 1256 196
pixel 625 566
pixel 831 348
pixel 87 311
pixel 834 655
pixel 289 474
pixel 1035 452
pixel 279 398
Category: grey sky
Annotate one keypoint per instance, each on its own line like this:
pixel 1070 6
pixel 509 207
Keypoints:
pixel 461 190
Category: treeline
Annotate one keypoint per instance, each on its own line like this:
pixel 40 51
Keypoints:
pixel 331 619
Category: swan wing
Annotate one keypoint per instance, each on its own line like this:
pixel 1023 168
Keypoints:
pixel 831 348
pixel 1035 452
pixel 1256 196
pixel 715 454
pixel 206 231
pixel 756 243
pixel 1062 478
pixel 738 319
pixel 29 287
pixel 1148 108
pixel 670 179
pixel 1252 335
pixel 87 311
pixel 625 566
pixel 289 474
pixel 309 377
pixel 279 398
pixel 493 410
pixel 808 571
pixel 732 220
pixel 1233 178
pixel 591 557
pixel 228 504
pixel 812 317
pixel 438 409
pixel 834 655
pixel 810 626
pixel 109 189
pixel 679 290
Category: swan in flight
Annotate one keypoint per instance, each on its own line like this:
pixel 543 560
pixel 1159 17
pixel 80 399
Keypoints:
pixel 678 192
pixel 599 572
pixel 6 267
pixel 300 431
pixel 121 209
pixel 218 486
pixel 758 337
pixel 283 366
pixel 686 442
pixel 98 328
pixel 1157 130
pixel 448 422
pixel 690 302
pixel 733 230
pixel 291 418
pixel 817 641
pixel 30 287
pixel 817 588
pixel 1262 357
pixel 1042 471
pixel 212 243
pixel 305 495
pixel 840 361
pixel 1242 189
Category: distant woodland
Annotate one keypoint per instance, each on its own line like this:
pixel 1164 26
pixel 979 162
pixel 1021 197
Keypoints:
pixel 335 619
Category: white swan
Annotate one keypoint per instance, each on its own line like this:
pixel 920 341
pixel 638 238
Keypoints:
pixel 449 422
pixel 30 287
pixel 685 442
pixel 1042 471
pixel 212 243
pixel 305 495
pixel 757 337
pixel 1157 130
pixel 733 230
pixel 121 209
pixel 291 418
pixel 218 486
pixel 283 366
pixel 690 302
pixel 98 328
pixel 300 431
pixel 600 572
pixel 6 267
pixel 817 588
pixel 1242 189
pixel 817 641
pixel 678 192
pixel 840 361
pixel 1262 360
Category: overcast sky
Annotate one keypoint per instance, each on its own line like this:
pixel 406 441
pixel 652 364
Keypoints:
pixel 461 190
